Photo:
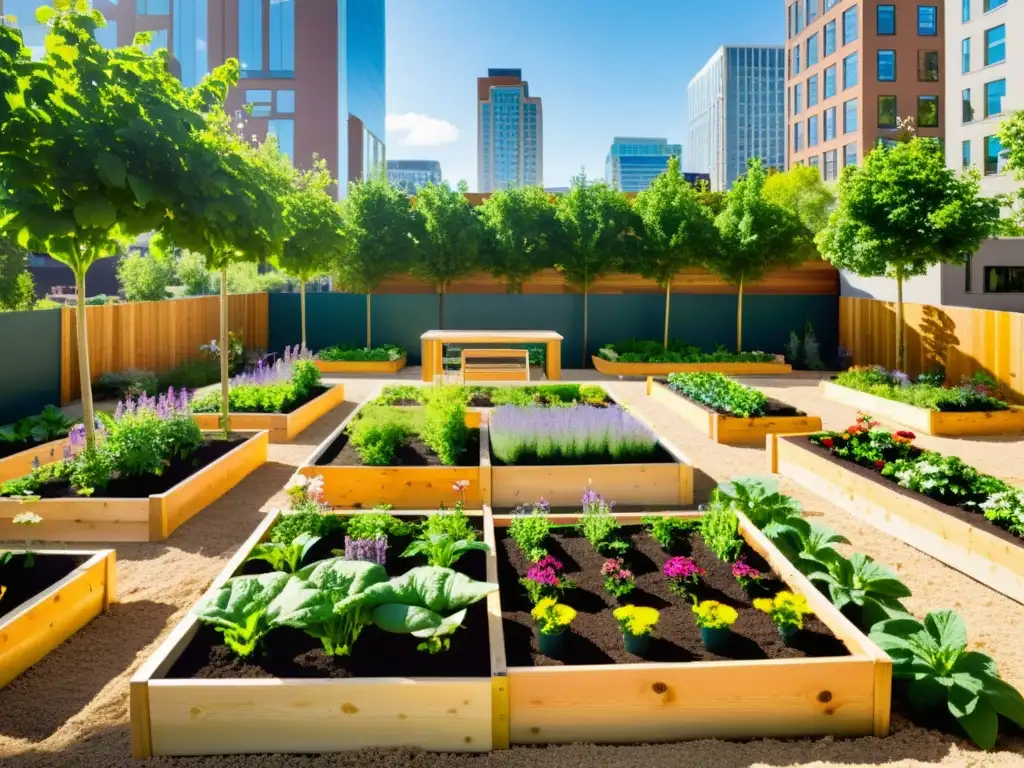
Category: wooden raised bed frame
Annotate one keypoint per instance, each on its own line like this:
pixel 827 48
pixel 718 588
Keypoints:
pixel 995 562
pixel 729 430
pixel 39 625
pixel 211 717
pixel 20 464
pixel 283 427
pixel 386 367
pixel 927 421
pixel 843 696
pixel 145 519
pixel 609 368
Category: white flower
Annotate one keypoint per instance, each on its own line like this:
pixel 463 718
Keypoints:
pixel 297 481
pixel 27 518
pixel 315 486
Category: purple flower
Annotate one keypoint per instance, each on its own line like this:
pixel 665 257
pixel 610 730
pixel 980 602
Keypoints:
pixel 373 550
pixel 76 437
pixel 899 377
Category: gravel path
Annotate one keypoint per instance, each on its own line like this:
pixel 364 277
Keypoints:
pixel 71 709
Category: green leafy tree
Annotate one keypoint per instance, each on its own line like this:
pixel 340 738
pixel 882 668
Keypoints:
pixel 713 201
pixel 17 289
pixel 600 230
pixel 378 222
pixel 800 190
pixel 449 235
pixel 144 278
pixel 678 231
pixel 756 235
pixel 523 234
pixel 94 147
pixel 1011 136
pixel 901 213
pixel 193 274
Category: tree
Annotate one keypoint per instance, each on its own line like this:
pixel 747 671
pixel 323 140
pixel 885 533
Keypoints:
pixel 17 289
pixel 449 238
pixel 193 274
pixel 903 212
pixel 378 223
pixel 91 147
pixel 600 229
pixel 756 236
pixel 678 231
pixel 713 201
pixel 1011 136
pixel 522 231
pixel 800 190
pixel 144 278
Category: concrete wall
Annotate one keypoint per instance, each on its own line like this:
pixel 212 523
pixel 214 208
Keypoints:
pixel 926 289
pixel 30 349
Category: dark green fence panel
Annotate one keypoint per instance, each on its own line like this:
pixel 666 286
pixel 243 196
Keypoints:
pixel 30 351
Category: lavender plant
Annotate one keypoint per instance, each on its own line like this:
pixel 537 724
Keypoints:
pixel 372 550
pixel 273 388
pixel 568 435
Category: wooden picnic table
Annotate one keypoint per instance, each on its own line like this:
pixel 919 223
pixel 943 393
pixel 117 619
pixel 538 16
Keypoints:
pixel 433 341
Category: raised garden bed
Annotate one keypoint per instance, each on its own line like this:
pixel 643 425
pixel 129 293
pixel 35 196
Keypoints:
pixel 610 368
pixel 141 509
pixel 733 430
pixel 189 698
pixel 22 462
pixel 962 540
pixel 833 681
pixel 929 422
pixel 283 427
pixel 386 367
pixel 46 604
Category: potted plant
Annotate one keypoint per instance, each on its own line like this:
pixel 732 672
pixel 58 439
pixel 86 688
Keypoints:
pixel 618 580
pixel 553 619
pixel 683 575
pixel 637 624
pixel 545 579
pixel 787 611
pixel 714 620
pixel 749 578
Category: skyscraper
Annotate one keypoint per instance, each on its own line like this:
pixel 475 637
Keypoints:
pixel 325 96
pixel 510 132
pixel 410 175
pixel 737 111
pixel 633 163
pixel 854 70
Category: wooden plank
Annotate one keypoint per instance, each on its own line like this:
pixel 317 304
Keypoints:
pixel 402 487
pixel 485 463
pixel 553 361
pixel 1009 422
pixel 79 520
pixel 39 625
pixel 20 464
pixel 487 337
pixel 918 419
pixel 302 418
pixel 496 639
pixel 610 368
pixel 383 367
pixel 283 427
pixel 562 485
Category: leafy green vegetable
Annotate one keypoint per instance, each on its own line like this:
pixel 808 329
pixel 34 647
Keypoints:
pixel 285 557
pixel 370 525
pixel 720 393
pixel 290 526
pixel 529 529
pixel 665 530
pixel 719 528
pixel 442 549
pixel 379 432
pixel 385 352
pixel 860 581
pixel 243 610
pixel 450 522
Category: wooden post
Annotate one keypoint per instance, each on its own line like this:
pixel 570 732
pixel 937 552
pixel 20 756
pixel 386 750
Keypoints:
pixel 553 360
pixel 427 360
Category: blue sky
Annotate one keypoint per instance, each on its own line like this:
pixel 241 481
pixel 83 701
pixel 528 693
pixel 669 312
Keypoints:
pixel 603 68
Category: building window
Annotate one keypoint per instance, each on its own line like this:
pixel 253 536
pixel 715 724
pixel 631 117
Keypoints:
pixel 153 7
pixel 927 20
pixel 830 124
pixel 968 113
pixel 831 165
pixel 792 19
pixel 830 4
pixel 993 156
pixel 812 10
pixel 851 71
pixel 928 66
pixel 830 38
pixel 190 40
pixel 798 98
pixel 282 38
pixel 284 130
pixel 850 116
pixel 830 82
pixel 798 136
pixel 849 155
pixel 928 111
pixel 965 154
pixel 886 65
pixel 886 20
pixel 995 45
pixel 965 55
pixel 849 25
pixel 258 103
pixel 812 90
pixel 991 5
pixel 286 102
pixel 250 37
pixel 1004 279
pixel 812 50
pixel 813 162
pixel 965 11
pixel 886 111
pixel 796 59
pixel 812 131
pixel 995 92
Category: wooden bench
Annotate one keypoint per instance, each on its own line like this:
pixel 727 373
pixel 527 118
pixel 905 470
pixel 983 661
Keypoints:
pixel 433 343
pixel 495 365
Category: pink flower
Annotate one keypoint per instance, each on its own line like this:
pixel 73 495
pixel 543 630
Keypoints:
pixel 460 485
pixel 682 568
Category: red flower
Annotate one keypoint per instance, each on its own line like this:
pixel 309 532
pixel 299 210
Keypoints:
pixel 906 434
pixel 827 442
pixel 879 464
pixel 855 429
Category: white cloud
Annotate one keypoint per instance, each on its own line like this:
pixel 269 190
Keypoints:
pixel 422 130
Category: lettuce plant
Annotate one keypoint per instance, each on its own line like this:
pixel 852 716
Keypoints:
pixel 285 558
pixel 932 656
pixel 720 393
pixel 450 522
pixel 370 525
pixel 243 610
pixel 443 550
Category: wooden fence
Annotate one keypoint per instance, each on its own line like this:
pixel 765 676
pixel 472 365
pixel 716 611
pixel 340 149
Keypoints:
pixel 155 335
pixel 963 340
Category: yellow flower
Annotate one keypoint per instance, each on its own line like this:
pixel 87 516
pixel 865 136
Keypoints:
pixel 552 615
pixel 636 620
pixel 540 610
pixel 846 435
pixel 765 604
pixel 714 615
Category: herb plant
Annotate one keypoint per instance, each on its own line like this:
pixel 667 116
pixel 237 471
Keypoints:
pixel 398 393
pixel 276 388
pixel 618 580
pixel 442 549
pixel 711 614
pixel 970 395
pixel 552 617
pixel 530 528
pixel 720 393
pixel 636 620
pixel 683 575
pixel 379 432
pixel 28 521
pixel 369 525
pixel 598 524
pixel 719 529
pixel 285 558
pixel 862 584
pixel 450 522
pixel 49 425
pixel 665 530
pixel 444 425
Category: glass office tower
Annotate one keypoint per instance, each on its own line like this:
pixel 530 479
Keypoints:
pixel 510 132
pixel 633 163
pixel 410 175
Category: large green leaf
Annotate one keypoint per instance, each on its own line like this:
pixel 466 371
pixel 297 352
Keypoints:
pixel 440 589
pixel 111 169
pixel 405 619
pixel 976 716
pixel 142 190
pixel 95 212
pixel 299 604
pixel 1006 699
pixel 343 577
pixel 447 626
pixel 947 628
pixel 241 597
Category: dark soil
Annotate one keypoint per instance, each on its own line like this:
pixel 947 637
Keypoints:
pixel 141 487
pixel 595 636
pixel 413 453
pixel 313 394
pixel 772 408
pixel 975 519
pixel 9 449
pixel 25 583
pixel 658 456
pixel 291 653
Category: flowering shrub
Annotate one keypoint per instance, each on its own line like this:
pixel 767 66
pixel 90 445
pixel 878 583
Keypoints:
pixel 866 443
pixel 711 614
pixel 545 579
pixel 309 513
pixel 276 388
pixel 636 620
pixel 683 575
pixel 372 550
pixel 978 393
pixel 720 393
pixel 618 579
pixel 746 575
pixel 235 350
pixel 552 617
pixel 569 435
pixel 786 609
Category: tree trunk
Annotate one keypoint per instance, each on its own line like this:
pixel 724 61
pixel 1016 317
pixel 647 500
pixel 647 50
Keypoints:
pixel 369 343
pixel 440 308
pixel 901 352
pixel 225 352
pixel 739 317
pixel 302 309
pixel 85 377
pixel 668 301
pixel 586 320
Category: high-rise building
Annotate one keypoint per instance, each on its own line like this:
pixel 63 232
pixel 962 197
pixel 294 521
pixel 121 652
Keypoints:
pixel 856 70
pixel 510 132
pixel 736 106
pixel 633 163
pixel 324 97
pixel 984 87
pixel 410 175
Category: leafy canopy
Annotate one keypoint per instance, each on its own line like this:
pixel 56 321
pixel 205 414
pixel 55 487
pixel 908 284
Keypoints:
pixel 378 223
pixel 522 233
pixel 801 191
pixel 449 234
